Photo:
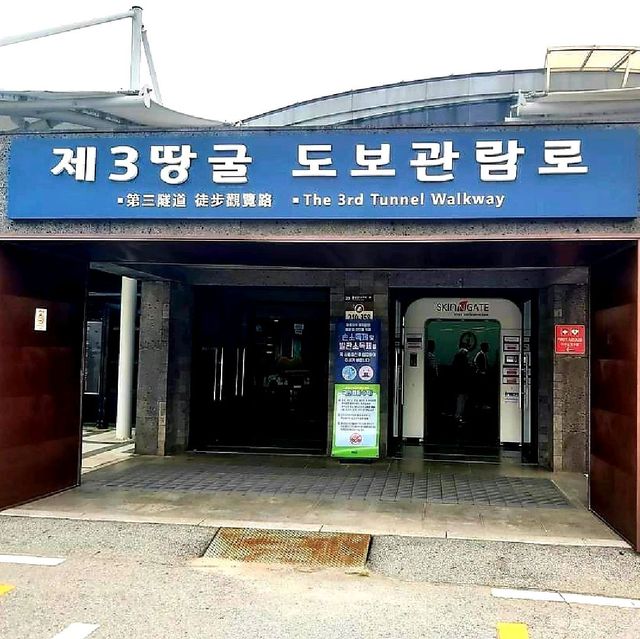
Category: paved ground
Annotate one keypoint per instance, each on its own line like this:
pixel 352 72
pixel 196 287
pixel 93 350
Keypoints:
pixel 146 581
pixel 342 482
pixel 316 493
pixel 436 577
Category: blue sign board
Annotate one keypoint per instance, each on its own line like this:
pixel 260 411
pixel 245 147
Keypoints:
pixel 357 356
pixel 505 172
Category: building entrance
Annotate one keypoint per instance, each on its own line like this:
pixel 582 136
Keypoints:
pixel 462 385
pixel 260 369
pixel 466 376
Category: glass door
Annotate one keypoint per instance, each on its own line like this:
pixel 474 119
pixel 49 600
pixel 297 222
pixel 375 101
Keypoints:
pixel 462 385
pixel 260 370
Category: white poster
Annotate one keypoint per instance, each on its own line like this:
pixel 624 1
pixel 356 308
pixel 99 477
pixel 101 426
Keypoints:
pixel 356 415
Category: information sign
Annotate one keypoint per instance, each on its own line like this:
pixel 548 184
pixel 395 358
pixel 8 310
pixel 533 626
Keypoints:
pixel 570 339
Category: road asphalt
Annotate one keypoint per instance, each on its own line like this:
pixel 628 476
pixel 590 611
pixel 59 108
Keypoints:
pixel 146 581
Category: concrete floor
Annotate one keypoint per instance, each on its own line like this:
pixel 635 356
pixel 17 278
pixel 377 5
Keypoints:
pixel 93 501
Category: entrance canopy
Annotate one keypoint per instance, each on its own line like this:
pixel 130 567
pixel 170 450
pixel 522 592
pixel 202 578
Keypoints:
pixel 41 111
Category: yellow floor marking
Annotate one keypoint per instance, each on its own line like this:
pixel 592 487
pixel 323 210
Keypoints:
pixel 5 588
pixel 512 631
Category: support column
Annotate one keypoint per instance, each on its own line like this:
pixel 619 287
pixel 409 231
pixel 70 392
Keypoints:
pixel 336 311
pixel 128 303
pixel 563 380
pixel 571 386
pixel 164 369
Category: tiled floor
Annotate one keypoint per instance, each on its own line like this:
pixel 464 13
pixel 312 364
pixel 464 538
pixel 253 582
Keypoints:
pixel 346 482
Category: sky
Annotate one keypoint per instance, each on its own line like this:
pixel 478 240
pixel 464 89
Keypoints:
pixel 229 60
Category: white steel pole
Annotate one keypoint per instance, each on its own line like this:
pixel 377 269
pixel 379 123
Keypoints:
pixel 152 67
pixel 136 48
pixel 128 303
pixel 45 33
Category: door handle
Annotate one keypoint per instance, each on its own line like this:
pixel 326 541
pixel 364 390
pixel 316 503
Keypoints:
pixel 240 362
pixel 218 373
pixel 215 373
pixel 237 380
pixel 221 378
pixel 244 352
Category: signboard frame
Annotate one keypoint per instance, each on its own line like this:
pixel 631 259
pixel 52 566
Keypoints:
pixel 357 371
pixel 415 173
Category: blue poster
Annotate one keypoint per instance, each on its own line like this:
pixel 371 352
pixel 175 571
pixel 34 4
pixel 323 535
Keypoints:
pixel 390 174
pixel 357 351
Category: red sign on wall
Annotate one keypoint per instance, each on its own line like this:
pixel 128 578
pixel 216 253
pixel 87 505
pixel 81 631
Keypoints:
pixel 570 339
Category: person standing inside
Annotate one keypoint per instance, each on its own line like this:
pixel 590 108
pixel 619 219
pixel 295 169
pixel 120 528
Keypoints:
pixel 432 360
pixel 461 374
pixel 481 360
pixel 481 370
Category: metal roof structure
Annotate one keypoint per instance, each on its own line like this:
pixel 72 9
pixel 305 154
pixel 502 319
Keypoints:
pixel 35 111
pixel 614 96
pixel 140 107
pixel 624 60
pixel 584 84
pixel 604 105
pixel 578 83
pixel 362 105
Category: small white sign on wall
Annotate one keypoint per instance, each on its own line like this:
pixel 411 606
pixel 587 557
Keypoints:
pixel 40 320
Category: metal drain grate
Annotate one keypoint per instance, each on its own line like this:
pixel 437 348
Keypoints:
pixel 308 549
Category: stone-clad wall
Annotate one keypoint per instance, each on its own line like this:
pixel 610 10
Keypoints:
pixel 563 383
pixel 153 368
pixel 571 386
pixel 545 378
pixel 164 369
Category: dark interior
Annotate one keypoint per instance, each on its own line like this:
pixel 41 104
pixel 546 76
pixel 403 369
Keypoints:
pixel 260 361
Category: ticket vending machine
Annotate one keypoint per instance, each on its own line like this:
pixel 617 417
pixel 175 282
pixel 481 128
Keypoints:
pixel 434 332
